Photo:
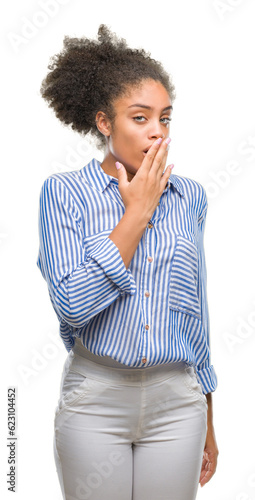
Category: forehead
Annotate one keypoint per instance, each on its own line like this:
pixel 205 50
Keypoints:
pixel 149 93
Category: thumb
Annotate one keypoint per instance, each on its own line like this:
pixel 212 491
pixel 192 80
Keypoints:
pixel 121 174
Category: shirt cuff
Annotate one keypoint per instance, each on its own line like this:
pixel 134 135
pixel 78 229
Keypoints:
pixel 108 257
pixel 207 378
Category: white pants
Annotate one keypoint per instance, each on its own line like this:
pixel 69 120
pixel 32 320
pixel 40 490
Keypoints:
pixel 127 433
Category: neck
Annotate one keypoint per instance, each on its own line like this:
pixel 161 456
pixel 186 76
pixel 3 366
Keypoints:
pixel 108 165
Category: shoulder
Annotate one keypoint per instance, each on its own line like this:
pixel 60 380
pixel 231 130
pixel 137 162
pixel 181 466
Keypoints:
pixel 80 182
pixel 64 191
pixel 66 179
pixel 189 186
pixel 66 184
pixel 194 193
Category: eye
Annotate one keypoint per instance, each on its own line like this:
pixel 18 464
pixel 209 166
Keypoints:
pixel 167 119
pixel 139 118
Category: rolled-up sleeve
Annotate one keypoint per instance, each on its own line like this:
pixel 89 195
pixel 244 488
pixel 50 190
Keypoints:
pixel 205 371
pixel 81 283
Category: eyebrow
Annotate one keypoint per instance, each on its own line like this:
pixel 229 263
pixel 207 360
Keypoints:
pixel 147 107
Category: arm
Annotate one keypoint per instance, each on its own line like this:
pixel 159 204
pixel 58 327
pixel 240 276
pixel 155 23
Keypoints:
pixel 140 197
pixel 81 284
pixel 206 372
pixel 211 451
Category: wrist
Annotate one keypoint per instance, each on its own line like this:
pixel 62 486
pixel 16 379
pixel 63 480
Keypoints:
pixel 137 217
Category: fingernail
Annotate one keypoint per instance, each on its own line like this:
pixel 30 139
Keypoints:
pixel 158 141
pixel 118 165
pixel 172 166
pixel 168 140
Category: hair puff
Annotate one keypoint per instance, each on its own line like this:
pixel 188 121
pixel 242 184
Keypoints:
pixel 88 75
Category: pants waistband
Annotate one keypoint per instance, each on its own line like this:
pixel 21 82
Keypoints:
pixel 106 369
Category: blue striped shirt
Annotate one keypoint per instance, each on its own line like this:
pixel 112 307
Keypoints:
pixel 155 311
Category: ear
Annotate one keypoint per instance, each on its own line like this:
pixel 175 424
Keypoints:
pixel 103 123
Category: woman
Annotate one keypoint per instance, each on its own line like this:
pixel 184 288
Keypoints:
pixel 121 248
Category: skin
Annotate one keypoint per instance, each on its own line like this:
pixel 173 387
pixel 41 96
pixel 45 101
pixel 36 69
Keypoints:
pixel 142 179
pixel 135 128
pixel 211 451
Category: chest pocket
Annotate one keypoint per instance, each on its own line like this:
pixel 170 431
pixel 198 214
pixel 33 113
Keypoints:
pixel 183 293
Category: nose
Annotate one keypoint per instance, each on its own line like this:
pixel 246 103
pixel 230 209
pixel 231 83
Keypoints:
pixel 156 131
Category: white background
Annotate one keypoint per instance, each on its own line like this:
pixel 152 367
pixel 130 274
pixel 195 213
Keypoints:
pixel 208 47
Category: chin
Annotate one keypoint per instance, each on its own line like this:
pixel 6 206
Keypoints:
pixel 131 167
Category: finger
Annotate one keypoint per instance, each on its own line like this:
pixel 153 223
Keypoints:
pixel 149 158
pixel 121 175
pixel 161 157
pixel 159 168
pixel 166 176
pixel 208 470
pixel 208 475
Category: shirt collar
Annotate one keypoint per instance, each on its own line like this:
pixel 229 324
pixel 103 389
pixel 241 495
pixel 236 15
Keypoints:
pixel 175 181
pixel 96 177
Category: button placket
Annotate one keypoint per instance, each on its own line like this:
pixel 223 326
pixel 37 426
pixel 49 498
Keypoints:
pixel 147 288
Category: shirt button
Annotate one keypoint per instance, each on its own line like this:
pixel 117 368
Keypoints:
pixel 147 294
pixel 150 225
pixel 147 327
pixel 144 360
pixel 150 259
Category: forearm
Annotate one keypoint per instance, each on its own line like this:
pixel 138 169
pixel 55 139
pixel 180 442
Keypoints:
pixel 127 234
pixel 209 411
pixel 211 451
pixel 140 197
pixel 93 285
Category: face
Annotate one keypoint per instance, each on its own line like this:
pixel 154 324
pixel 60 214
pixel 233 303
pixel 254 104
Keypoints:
pixel 142 116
